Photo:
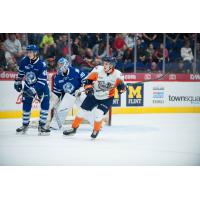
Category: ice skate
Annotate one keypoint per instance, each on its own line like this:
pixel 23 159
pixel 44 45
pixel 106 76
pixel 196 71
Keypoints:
pixel 22 130
pixel 94 134
pixel 42 131
pixel 71 131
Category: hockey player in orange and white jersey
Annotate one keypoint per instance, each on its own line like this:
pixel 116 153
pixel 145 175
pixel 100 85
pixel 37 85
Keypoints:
pixel 99 87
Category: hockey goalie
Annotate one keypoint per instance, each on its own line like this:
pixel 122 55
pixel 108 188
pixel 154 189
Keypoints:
pixel 99 87
pixel 67 92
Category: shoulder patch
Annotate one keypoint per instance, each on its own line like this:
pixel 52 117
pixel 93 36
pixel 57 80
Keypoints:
pixel 77 70
pixel 44 64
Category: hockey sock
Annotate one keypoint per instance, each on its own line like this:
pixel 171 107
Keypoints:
pixel 77 121
pixel 26 117
pixel 43 117
pixel 97 125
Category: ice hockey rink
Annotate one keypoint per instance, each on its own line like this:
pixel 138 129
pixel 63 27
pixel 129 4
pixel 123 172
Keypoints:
pixel 142 139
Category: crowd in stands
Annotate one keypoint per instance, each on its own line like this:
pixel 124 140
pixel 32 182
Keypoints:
pixel 86 50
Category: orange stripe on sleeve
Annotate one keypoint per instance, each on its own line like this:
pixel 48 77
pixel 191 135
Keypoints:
pixel 117 82
pixel 112 91
pixel 93 76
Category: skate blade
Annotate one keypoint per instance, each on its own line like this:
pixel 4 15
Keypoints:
pixel 67 135
pixel 43 134
pixel 21 133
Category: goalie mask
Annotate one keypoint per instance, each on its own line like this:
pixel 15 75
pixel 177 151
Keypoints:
pixel 63 65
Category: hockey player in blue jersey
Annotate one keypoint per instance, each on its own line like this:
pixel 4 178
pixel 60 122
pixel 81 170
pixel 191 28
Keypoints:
pixel 66 91
pixel 34 72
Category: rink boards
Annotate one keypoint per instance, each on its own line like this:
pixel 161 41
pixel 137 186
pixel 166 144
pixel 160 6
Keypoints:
pixel 159 97
pixel 166 96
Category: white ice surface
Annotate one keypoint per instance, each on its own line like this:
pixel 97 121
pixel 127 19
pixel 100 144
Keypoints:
pixel 151 139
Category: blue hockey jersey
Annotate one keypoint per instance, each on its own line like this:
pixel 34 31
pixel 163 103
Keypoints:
pixel 35 73
pixel 68 83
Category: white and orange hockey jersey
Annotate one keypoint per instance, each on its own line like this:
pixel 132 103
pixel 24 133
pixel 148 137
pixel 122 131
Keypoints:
pixel 104 84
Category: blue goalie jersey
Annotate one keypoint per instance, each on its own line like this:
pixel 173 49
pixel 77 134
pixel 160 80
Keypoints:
pixel 35 73
pixel 69 82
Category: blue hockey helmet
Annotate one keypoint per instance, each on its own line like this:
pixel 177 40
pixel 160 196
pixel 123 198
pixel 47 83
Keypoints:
pixel 110 60
pixel 33 48
pixel 63 64
pixel 109 64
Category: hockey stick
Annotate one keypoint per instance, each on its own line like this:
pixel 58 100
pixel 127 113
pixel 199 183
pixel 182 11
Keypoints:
pixel 171 70
pixel 156 79
pixel 34 97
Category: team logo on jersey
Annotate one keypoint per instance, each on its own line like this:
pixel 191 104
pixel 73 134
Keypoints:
pixel 68 88
pixel 104 86
pixel 31 78
pixel 135 94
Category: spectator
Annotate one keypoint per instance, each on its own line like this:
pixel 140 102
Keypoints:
pixel 198 58
pixel 51 63
pixel 180 68
pixel 99 50
pixel 95 38
pixel 48 45
pixel 172 37
pixel 149 37
pixel 2 37
pixel 118 54
pixel 9 63
pixel 89 56
pixel 35 38
pixel 129 41
pixel 3 63
pixel 85 61
pixel 158 55
pixel 13 47
pixel 187 56
pixel 173 44
pixel 154 68
pixel 150 52
pixel 141 57
pixel 62 46
pixel 128 56
pixel 84 39
pixel 76 46
pixel 119 42
pixel 185 36
pixel 141 53
pixel 24 42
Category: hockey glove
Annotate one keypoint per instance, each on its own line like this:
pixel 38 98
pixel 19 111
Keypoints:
pixel 18 85
pixel 89 91
pixel 31 92
pixel 121 88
